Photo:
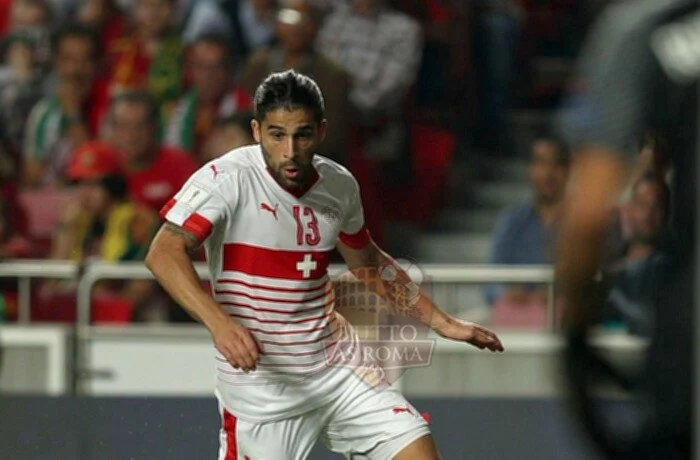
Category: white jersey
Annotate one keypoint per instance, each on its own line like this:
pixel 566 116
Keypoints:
pixel 268 250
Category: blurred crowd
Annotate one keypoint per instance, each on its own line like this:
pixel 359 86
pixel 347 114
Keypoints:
pixel 107 107
pixel 635 254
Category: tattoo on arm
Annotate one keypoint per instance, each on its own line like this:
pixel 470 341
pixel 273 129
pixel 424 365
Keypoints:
pixel 190 240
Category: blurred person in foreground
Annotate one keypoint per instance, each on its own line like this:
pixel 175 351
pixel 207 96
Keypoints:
pixel 634 74
pixel 381 49
pixel 154 172
pixel 297 26
pixel 268 215
pixel 212 96
pixel 635 278
pixel 66 119
pixel 525 233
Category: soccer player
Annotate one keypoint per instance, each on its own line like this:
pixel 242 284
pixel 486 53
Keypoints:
pixel 268 216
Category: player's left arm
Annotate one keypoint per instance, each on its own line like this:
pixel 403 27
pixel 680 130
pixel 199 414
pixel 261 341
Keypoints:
pixel 380 273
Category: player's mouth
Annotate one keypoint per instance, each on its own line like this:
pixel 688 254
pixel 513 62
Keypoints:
pixel 291 173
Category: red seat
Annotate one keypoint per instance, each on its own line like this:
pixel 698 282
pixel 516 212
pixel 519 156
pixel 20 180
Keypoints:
pixel 43 208
pixel 432 151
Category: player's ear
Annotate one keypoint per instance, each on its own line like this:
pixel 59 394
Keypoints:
pixel 322 130
pixel 257 135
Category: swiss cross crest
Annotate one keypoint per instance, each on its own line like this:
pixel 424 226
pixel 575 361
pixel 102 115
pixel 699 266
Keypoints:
pixel 306 266
pixel 331 213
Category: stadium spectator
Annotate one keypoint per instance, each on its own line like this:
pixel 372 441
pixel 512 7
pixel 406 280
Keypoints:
pixel 297 25
pixel 104 16
pixel 525 233
pixel 66 119
pixel 381 49
pixel 498 27
pixel 21 87
pixel 102 224
pixel 32 21
pixel 247 24
pixel 155 172
pixel 636 277
pixel 228 134
pixel 148 56
pixel 103 221
pixel 212 96
pixel 652 159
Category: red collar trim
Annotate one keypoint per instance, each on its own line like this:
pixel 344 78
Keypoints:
pixel 297 192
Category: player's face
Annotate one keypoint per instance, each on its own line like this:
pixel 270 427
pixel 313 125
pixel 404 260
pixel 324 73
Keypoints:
pixel 646 213
pixel 289 140
pixel 547 173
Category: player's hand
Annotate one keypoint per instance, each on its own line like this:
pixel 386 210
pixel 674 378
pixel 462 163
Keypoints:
pixel 472 333
pixel 237 345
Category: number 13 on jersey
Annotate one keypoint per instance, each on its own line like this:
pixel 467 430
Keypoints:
pixel 307 226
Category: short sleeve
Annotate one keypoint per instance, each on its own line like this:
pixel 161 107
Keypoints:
pixel 354 233
pixel 611 103
pixel 200 205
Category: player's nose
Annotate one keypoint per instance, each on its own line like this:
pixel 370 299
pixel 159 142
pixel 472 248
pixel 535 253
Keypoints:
pixel 289 150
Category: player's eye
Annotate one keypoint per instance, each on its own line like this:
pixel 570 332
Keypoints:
pixel 278 136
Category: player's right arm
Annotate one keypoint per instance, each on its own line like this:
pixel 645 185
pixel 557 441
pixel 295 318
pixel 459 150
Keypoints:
pixel 169 260
pixel 190 218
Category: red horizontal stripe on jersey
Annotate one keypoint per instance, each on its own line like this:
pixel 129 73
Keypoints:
pixel 271 299
pixel 291 331
pixel 299 353
pixel 357 240
pixel 270 288
pixel 312 363
pixel 279 321
pixel 166 209
pixel 303 342
pixel 273 310
pixel 275 263
pixel 198 225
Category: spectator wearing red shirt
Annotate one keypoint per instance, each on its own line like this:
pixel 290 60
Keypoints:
pixel 154 172
pixel 212 97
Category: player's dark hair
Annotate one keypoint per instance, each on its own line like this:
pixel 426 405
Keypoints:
pixel 136 97
pixel 75 30
pixel 288 90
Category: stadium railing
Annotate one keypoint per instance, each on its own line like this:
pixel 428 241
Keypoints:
pixel 27 270
pixel 446 281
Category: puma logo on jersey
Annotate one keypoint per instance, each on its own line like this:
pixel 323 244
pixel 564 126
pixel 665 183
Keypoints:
pixel 400 410
pixel 214 170
pixel 270 209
